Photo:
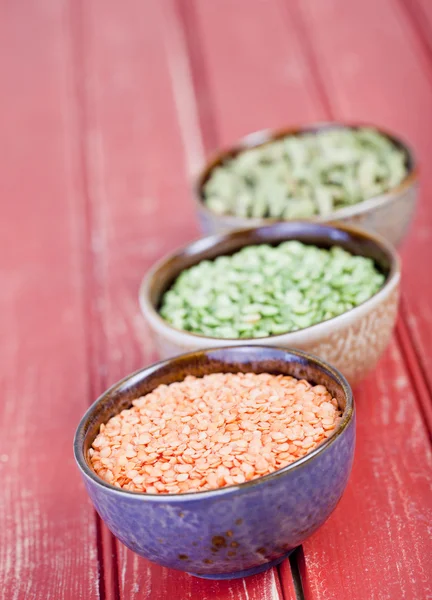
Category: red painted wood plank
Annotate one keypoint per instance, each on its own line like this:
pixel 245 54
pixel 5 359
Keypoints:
pixel 383 77
pixel 375 543
pixel 141 580
pixel 256 73
pixel 287 579
pixel 420 13
pixel 47 528
pixel 142 141
pixel 414 368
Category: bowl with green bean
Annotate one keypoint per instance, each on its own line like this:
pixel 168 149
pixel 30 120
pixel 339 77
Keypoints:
pixel 356 174
pixel 329 289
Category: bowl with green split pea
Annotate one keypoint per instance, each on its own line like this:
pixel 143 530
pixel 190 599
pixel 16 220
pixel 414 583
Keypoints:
pixel 357 174
pixel 328 289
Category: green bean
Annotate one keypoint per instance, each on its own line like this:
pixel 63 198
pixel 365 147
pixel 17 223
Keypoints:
pixel 263 290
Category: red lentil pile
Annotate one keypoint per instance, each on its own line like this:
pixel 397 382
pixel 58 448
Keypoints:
pixel 214 431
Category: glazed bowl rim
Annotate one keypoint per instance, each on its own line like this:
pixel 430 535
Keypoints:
pixel 202 244
pixel 148 371
pixel 265 136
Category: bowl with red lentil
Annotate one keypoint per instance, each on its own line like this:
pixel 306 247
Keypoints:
pixel 219 462
pixel 328 289
pixel 357 174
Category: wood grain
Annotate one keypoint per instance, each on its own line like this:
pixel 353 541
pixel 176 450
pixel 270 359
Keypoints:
pixel 47 527
pixel 374 544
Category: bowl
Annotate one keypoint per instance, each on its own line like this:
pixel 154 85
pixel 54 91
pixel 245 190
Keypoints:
pixel 389 214
pixel 237 530
pixel 352 341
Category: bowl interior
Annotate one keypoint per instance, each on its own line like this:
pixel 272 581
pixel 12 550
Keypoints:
pixel 354 241
pixel 241 359
pixel 265 137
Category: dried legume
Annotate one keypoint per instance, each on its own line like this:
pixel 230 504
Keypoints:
pixel 211 432
pixel 263 290
pixel 308 174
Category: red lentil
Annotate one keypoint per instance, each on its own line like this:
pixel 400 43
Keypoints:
pixel 210 432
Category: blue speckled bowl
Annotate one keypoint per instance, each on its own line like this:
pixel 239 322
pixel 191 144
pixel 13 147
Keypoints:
pixel 238 530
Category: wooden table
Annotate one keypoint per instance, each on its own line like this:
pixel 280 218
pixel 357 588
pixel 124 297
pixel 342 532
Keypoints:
pixel 107 110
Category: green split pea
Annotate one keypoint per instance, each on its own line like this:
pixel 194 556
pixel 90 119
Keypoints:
pixel 300 176
pixel 264 290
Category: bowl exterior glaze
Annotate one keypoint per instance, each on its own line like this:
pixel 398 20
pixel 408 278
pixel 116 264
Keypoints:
pixel 237 530
pixel 234 532
pixel 390 219
pixel 388 215
pixel 352 342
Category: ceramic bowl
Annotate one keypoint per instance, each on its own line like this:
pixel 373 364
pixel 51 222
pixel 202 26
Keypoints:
pixel 389 214
pixel 352 342
pixel 237 530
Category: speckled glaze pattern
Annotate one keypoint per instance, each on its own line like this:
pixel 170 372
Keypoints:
pixel 235 531
pixel 352 342
pixel 389 215
pixel 355 349
pixel 222 533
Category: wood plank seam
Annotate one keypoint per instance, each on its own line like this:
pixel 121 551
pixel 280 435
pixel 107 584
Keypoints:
pixel 295 559
pixel 96 359
pixel 415 367
pixel 183 94
pixel 293 13
pixel 295 574
pixel 206 113
pixel 99 545
pixel 417 19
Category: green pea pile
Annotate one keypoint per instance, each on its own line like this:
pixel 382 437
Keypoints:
pixel 300 176
pixel 264 290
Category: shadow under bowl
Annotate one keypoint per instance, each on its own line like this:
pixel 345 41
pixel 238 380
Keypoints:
pixel 388 215
pixel 352 341
pixel 237 530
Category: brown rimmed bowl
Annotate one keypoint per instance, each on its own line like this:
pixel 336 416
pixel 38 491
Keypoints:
pixel 241 529
pixel 352 342
pixel 388 215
